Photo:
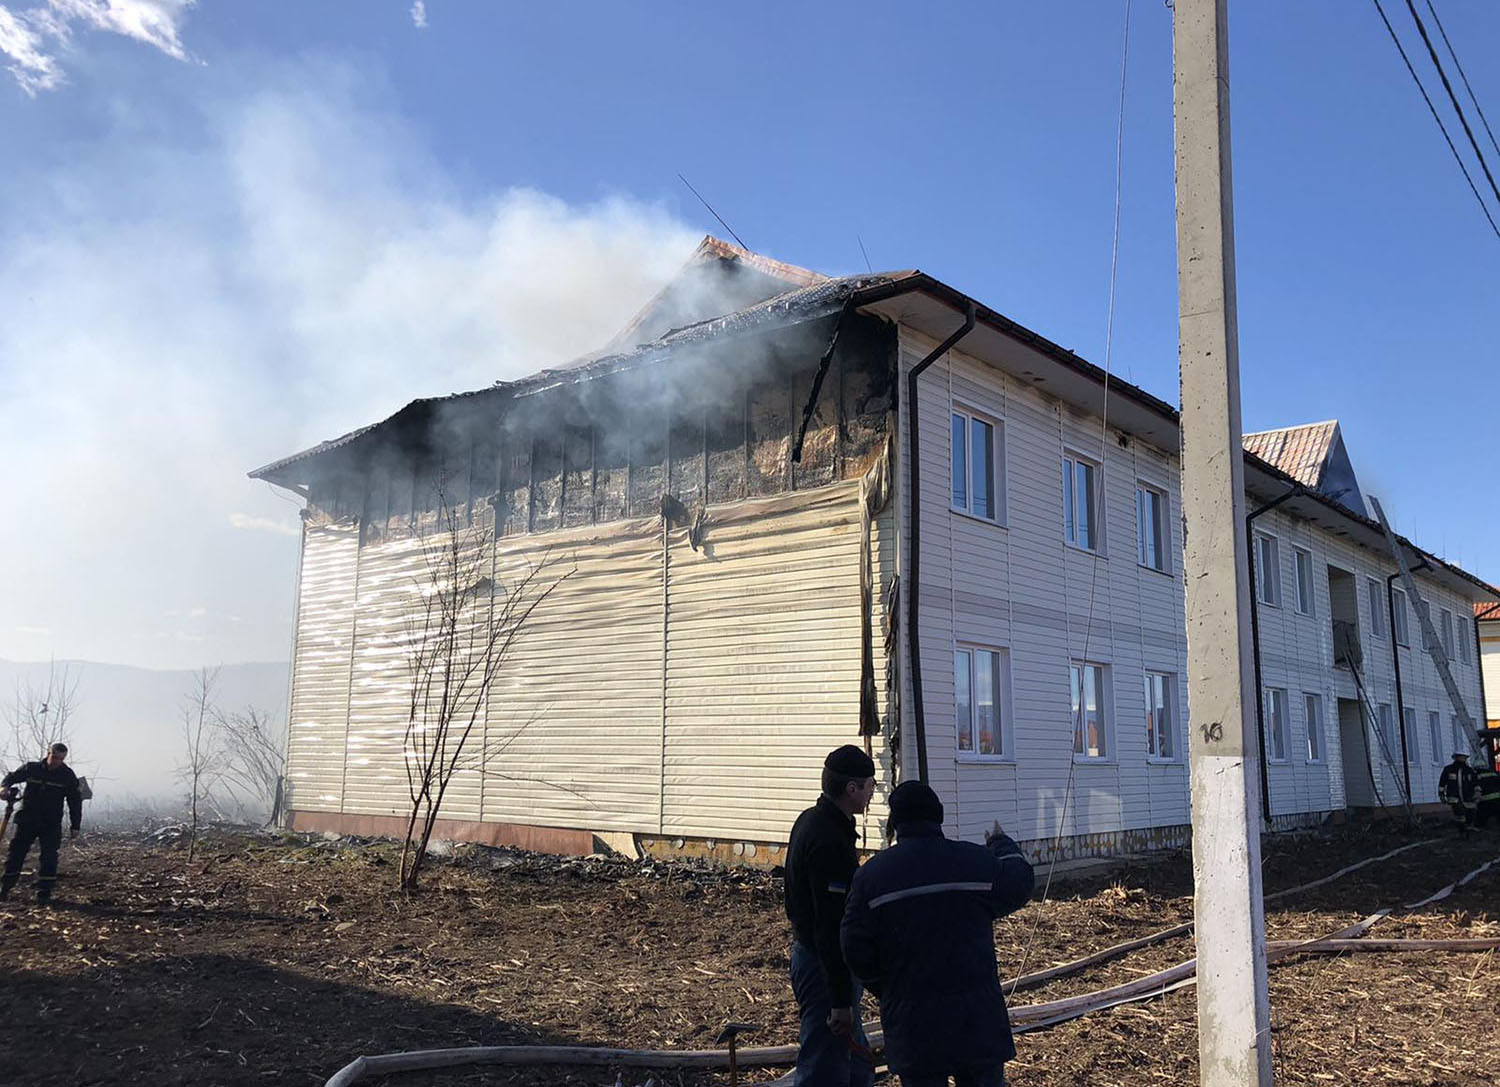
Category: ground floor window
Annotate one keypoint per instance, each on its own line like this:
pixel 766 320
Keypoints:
pixel 1435 735
pixel 1276 723
pixel 1090 723
pixel 1313 706
pixel 1161 715
pixel 981 678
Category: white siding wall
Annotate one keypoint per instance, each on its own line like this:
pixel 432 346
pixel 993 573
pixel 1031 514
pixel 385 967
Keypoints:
pixel 1018 586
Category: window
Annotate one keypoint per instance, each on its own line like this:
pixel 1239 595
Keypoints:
pixel 1303 558
pixel 1445 628
pixel 1398 616
pixel 1435 735
pixel 1460 736
pixel 1465 641
pixel 981 678
pixel 1267 570
pixel 1377 609
pixel 1276 722
pixel 1409 728
pixel 1151 525
pixel 1161 715
pixel 1387 724
pixel 1090 727
pixel 1312 705
pixel 1081 518
pixel 978 466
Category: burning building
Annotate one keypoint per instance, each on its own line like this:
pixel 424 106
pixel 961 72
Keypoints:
pixel 744 573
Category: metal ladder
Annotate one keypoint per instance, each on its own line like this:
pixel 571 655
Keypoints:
pixel 1397 770
pixel 1429 632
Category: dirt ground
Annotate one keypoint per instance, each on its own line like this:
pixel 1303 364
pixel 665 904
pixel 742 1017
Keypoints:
pixel 280 959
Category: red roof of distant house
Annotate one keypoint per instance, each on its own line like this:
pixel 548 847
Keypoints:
pixel 1487 610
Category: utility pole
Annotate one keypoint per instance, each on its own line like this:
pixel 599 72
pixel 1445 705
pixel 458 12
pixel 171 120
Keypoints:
pixel 1234 1013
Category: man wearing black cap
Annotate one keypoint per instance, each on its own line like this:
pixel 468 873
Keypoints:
pixel 821 859
pixel 919 932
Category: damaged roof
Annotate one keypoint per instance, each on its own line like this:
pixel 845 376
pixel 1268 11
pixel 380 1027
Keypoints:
pixel 1299 451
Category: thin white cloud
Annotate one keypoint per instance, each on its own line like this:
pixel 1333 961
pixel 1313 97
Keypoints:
pixel 419 15
pixel 30 39
pixel 263 524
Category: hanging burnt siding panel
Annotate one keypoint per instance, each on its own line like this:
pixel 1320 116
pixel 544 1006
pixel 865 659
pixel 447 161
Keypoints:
pixel 546 482
pixel 578 476
pixel 515 482
pixel 724 424
pixel 484 461
pixel 819 464
pixel 687 456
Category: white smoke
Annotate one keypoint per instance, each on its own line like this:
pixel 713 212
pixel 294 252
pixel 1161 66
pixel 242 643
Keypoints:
pixel 419 15
pixel 180 313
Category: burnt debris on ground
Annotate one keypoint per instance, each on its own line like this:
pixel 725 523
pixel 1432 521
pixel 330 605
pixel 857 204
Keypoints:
pixel 276 958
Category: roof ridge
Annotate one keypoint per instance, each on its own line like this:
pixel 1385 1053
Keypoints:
pixel 1294 426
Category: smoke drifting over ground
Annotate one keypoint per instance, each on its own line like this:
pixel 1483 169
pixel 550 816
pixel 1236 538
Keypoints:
pixel 180 311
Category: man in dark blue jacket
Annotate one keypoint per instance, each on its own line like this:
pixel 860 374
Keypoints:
pixel 50 784
pixel 919 932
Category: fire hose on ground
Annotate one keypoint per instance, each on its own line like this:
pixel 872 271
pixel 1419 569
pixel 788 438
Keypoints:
pixel 1025 1019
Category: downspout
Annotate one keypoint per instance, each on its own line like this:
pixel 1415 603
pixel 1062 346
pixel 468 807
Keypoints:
pixel 1390 613
pixel 1260 694
pixel 914 510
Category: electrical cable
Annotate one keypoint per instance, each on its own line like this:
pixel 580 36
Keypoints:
pixel 1442 127
pixel 1464 76
pixel 1453 97
pixel 1109 328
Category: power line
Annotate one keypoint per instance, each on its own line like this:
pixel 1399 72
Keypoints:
pixel 1464 76
pixel 1453 97
pixel 1442 127
pixel 712 212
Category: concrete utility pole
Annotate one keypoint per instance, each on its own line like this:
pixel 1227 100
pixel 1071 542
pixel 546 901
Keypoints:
pixel 1234 1013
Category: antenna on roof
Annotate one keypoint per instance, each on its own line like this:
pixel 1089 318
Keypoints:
pixel 712 212
pixel 861 241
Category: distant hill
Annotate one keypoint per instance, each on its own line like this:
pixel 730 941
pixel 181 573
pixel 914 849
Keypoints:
pixel 127 730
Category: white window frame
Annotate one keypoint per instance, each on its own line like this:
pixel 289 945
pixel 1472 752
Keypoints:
pixel 1163 540
pixel 998 499
pixel 1435 735
pixel 1002 697
pixel 1302 563
pixel 1465 640
pixel 1385 723
pixel 1409 727
pixel 1100 670
pixel 1400 617
pixel 1445 631
pixel 1278 709
pixel 1376 592
pixel 1070 464
pixel 1167 682
pixel 1267 589
pixel 1312 709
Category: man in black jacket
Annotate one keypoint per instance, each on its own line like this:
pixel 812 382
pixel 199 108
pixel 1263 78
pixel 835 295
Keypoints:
pixel 821 858
pixel 919 932
pixel 49 785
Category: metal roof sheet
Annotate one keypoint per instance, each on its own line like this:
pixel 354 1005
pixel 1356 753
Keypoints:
pixel 1299 451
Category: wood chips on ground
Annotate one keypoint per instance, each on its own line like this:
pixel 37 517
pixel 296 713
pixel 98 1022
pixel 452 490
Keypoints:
pixel 279 959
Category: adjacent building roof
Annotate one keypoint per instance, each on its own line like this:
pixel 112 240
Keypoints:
pixel 1487 610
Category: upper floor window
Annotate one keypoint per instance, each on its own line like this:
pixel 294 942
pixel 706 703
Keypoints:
pixel 1445 628
pixel 980 680
pixel 1398 616
pixel 1161 715
pixel 1304 561
pixel 1151 525
pixel 1090 723
pixel 1377 609
pixel 1081 503
pixel 978 466
pixel 1386 724
pixel 1465 641
pixel 1268 569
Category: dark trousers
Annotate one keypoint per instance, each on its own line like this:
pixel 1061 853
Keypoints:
pixel 1463 815
pixel 992 1076
pixel 823 1058
pixel 50 838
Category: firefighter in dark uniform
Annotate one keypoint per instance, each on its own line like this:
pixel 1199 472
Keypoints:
pixel 1458 787
pixel 821 859
pixel 919 931
pixel 1486 795
pixel 50 785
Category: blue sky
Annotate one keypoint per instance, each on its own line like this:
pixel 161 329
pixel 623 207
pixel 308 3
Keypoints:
pixel 230 230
